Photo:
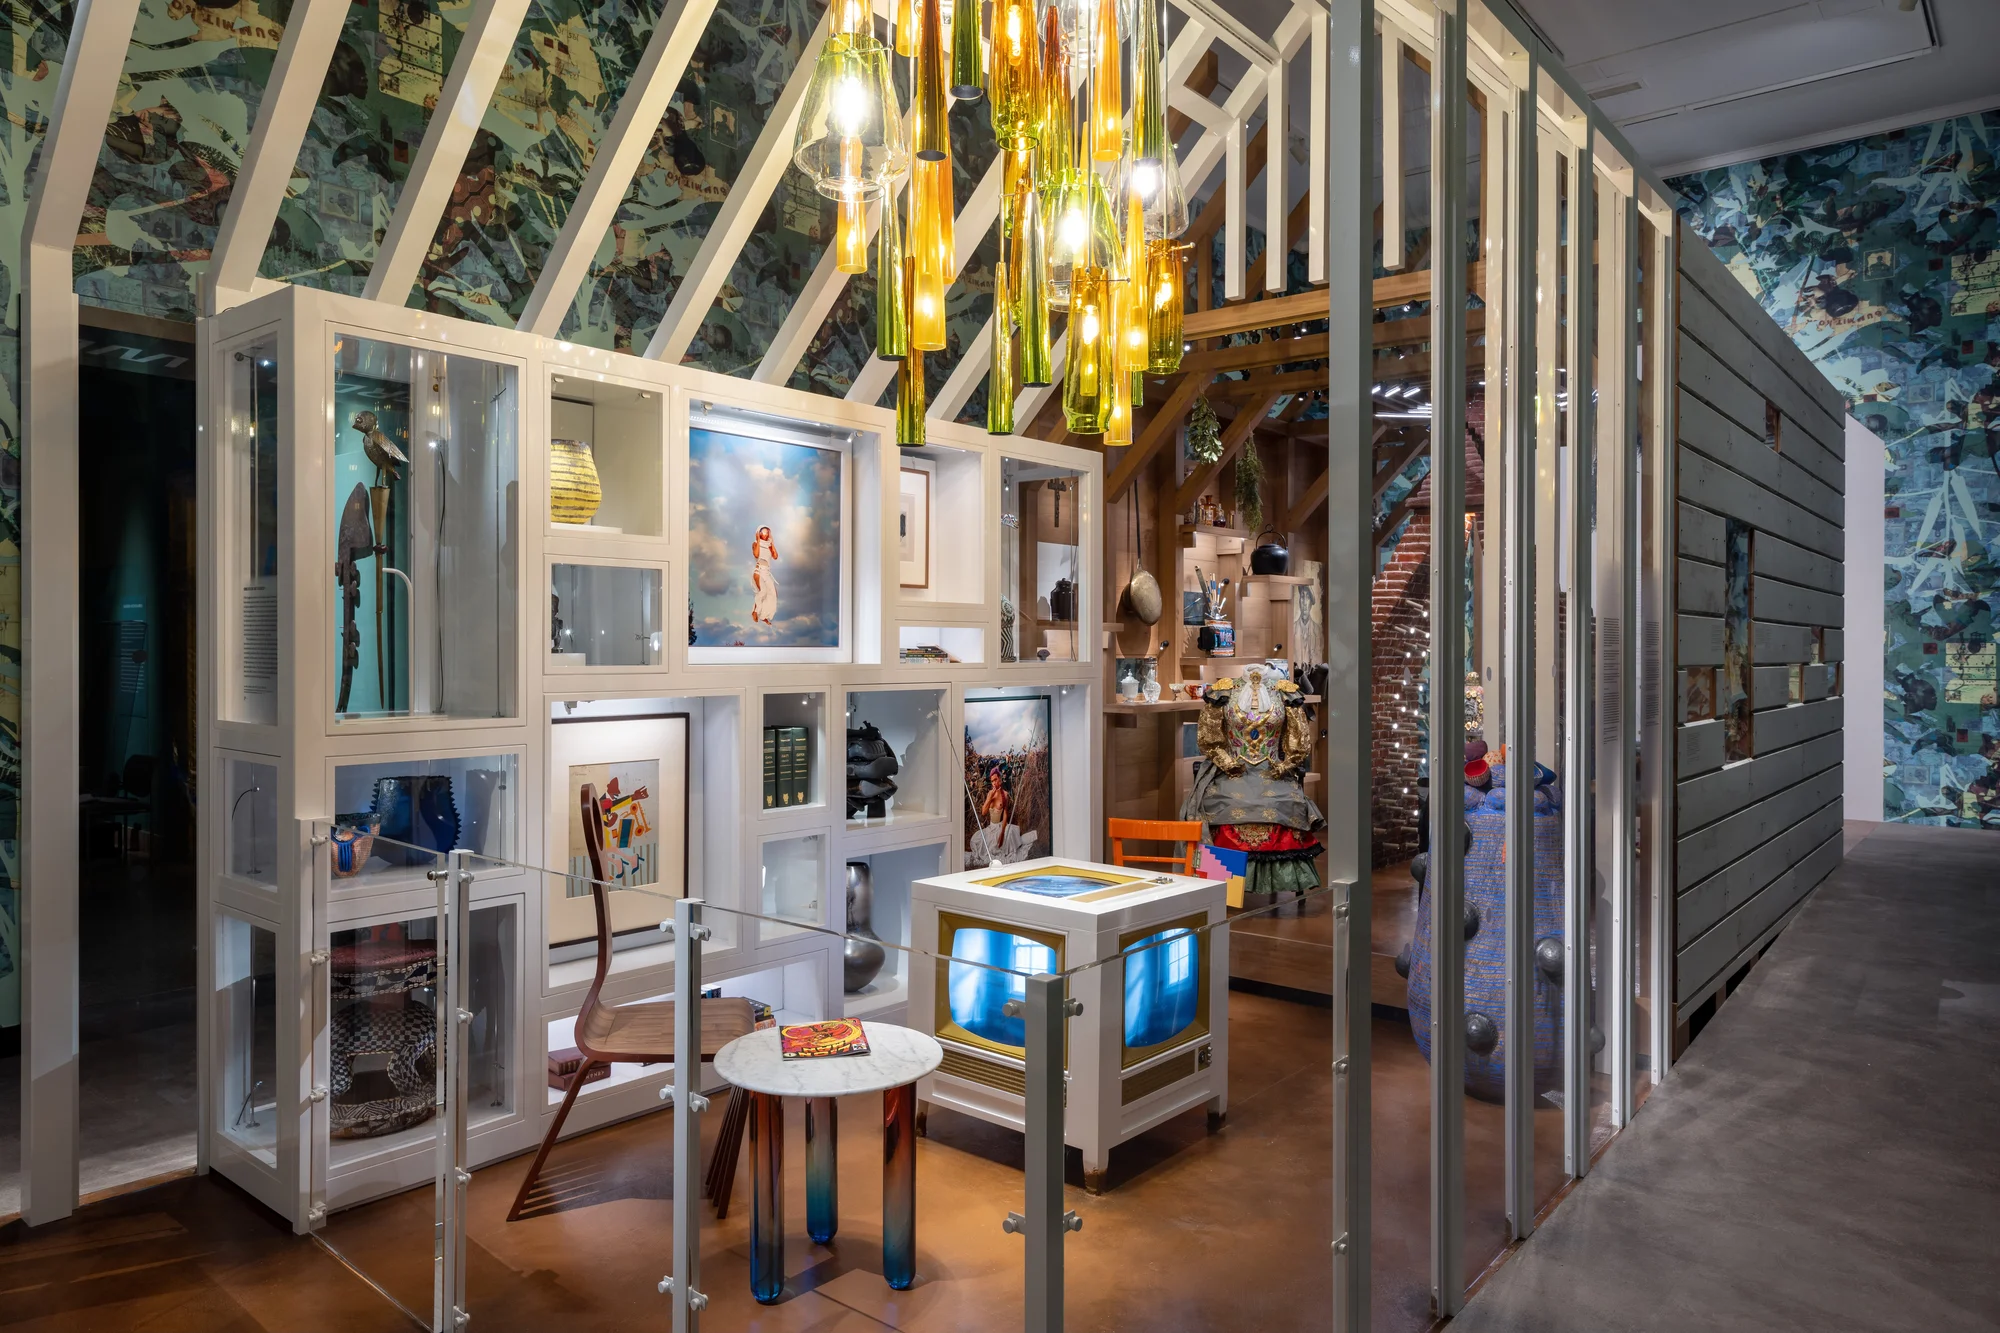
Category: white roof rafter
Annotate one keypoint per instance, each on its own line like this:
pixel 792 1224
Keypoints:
pixel 462 103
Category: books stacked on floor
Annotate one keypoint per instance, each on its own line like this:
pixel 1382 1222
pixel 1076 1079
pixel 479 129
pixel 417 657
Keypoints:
pixel 787 767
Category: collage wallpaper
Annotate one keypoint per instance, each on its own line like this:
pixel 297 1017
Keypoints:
pixel 1881 257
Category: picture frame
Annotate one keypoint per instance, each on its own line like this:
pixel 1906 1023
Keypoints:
pixel 639 765
pixel 1010 737
pixel 913 526
pixel 769 577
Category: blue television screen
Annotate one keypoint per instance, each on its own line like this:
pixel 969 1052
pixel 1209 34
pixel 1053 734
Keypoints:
pixel 1162 986
pixel 978 995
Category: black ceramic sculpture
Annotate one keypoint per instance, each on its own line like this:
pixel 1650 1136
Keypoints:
pixel 871 768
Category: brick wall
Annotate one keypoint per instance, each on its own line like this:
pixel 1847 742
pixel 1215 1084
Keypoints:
pixel 1401 630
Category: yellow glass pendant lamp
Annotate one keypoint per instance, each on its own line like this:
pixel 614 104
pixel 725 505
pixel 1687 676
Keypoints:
pixel 1132 326
pixel 928 278
pixel 930 134
pixel 906 27
pixel 850 139
pixel 1054 150
pixel 1166 306
pixel 1107 94
pixel 1087 371
pixel 1014 76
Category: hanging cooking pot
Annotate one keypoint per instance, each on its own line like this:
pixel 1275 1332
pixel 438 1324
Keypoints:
pixel 1271 557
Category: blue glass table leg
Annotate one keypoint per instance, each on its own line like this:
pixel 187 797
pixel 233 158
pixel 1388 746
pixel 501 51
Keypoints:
pixel 899 1186
pixel 822 1179
pixel 767 1197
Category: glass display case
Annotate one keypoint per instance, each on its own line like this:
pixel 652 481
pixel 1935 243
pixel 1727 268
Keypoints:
pixel 1042 584
pixel 251 553
pixel 425 470
pixel 794 749
pixel 792 881
pixel 941 645
pixel 606 457
pixel 605 616
pixel 940 525
pixel 406 810
pixel 251 786
pixel 896 770
pixel 245 1022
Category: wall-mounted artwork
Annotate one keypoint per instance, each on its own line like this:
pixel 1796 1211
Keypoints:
pixel 638 769
pixel 1009 783
pixel 766 563
pixel 913 527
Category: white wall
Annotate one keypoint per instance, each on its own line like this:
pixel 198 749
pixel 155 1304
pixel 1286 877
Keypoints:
pixel 1861 760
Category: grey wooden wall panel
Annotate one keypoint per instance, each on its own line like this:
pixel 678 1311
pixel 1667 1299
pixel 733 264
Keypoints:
pixel 1700 641
pixel 1698 748
pixel 1791 603
pixel 1718 795
pixel 1737 350
pixel 1700 962
pixel 1835 646
pixel 1779 559
pixel 1703 374
pixel 1705 851
pixel 1770 686
pixel 1701 534
pixel 1771 643
pixel 1797 724
pixel 1714 436
pixel 1810 454
pixel 1712 486
pixel 1820 680
pixel 1701 269
pixel 1701 588
pixel 1698 908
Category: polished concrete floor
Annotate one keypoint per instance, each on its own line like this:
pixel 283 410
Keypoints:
pixel 1825 1156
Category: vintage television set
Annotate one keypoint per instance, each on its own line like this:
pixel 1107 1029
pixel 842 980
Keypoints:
pixel 1152 1039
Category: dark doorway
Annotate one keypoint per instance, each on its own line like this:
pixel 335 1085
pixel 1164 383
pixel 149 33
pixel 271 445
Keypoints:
pixel 136 606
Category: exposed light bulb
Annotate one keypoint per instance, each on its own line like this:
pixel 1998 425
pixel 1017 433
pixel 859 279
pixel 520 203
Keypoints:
pixel 1090 328
pixel 1073 230
pixel 1145 180
pixel 850 105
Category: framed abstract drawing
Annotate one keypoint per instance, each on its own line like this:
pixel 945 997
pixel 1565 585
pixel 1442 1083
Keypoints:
pixel 637 772
pixel 913 527
pixel 767 561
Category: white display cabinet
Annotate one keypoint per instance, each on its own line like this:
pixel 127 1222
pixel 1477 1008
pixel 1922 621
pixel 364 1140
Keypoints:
pixel 885 996
pixel 917 794
pixel 401 633
pixel 1153 1037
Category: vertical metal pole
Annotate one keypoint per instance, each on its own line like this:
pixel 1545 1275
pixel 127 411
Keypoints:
pixel 1659 765
pixel 1348 75
pixel 685 1284
pixel 1045 1221
pixel 1447 704
pixel 1522 398
pixel 458 983
pixel 444 1036
pixel 1578 783
pixel 319 869
pixel 1621 550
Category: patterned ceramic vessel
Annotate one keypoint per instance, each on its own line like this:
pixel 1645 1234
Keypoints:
pixel 574 492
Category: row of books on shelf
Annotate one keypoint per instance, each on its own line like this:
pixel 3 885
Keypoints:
pixel 787 767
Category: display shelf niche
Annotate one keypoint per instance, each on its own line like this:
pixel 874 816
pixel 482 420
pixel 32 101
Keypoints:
pixel 626 430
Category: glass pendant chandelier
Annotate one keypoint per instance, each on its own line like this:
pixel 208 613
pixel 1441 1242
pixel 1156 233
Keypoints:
pixel 1087 372
pixel 1000 369
pixel 850 139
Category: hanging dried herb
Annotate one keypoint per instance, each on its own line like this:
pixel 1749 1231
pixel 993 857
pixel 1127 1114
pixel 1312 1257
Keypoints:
pixel 1204 433
pixel 1250 487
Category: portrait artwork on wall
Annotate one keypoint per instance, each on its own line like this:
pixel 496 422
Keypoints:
pixel 766 570
pixel 637 769
pixel 913 527
pixel 1009 781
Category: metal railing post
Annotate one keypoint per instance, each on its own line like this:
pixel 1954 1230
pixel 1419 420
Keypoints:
pixel 684 1282
pixel 1044 1221
pixel 457 995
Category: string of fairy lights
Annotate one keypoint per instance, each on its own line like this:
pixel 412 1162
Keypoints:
pixel 1091 206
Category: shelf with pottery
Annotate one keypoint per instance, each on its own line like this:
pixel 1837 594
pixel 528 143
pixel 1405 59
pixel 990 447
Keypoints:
pixel 606 456
pixel 876 979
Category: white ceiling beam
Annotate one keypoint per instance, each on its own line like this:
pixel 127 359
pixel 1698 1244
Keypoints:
pixel 46 871
pixel 1291 36
pixel 616 162
pixel 1197 108
pixel 1229 29
pixel 752 190
pixel 1236 206
pixel 1316 205
pixel 304 54
pixel 462 103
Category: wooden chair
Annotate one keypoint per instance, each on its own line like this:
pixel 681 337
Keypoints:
pixel 639 1033
pixel 1184 832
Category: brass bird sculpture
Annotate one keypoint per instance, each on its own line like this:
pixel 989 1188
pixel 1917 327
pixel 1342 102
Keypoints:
pixel 381 450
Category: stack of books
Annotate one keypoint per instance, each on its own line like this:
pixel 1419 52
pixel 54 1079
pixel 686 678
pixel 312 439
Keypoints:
pixel 787 767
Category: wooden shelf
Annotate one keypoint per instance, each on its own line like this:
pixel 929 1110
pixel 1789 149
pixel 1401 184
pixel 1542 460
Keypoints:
pixel 1289 580
pixel 1163 706
pixel 1190 531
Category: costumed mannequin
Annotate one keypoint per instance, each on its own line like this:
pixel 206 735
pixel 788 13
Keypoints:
pixel 763 552
pixel 1256 744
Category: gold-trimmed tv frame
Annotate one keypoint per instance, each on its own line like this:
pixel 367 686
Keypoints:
pixel 1198 1030
pixel 947 1028
pixel 1115 886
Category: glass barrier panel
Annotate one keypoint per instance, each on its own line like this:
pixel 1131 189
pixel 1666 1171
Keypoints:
pixel 604 615
pixel 1200 1115
pixel 395 1062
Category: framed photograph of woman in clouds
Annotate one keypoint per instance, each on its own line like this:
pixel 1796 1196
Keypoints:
pixel 767 568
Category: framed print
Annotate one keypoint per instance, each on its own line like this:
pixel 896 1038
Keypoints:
pixel 767 567
pixel 1009 782
pixel 913 527
pixel 637 771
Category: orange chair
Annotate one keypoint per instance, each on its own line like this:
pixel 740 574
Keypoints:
pixel 1185 832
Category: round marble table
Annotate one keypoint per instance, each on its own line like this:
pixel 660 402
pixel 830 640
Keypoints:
pixel 897 1057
